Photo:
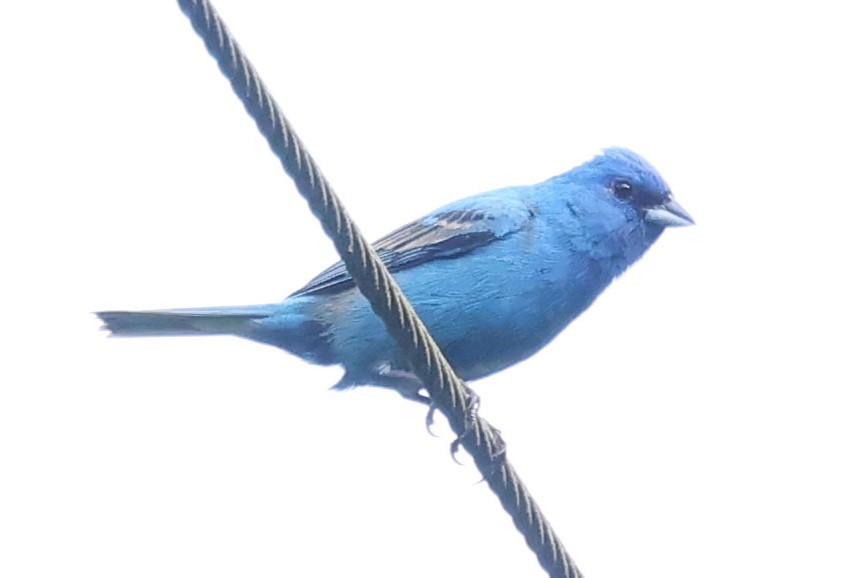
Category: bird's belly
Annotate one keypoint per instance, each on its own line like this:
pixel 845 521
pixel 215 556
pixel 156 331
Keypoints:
pixel 488 332
pixel 483 321
pixel 478 347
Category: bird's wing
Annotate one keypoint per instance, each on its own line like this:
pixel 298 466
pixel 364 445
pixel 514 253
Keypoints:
pixel 447 234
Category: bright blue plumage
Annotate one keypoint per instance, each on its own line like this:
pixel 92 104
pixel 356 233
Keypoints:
pixel 494 277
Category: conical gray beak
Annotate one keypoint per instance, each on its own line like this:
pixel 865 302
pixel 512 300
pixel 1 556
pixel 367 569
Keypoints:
pixel 668 214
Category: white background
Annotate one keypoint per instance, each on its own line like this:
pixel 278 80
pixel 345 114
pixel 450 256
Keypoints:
pixel 705 418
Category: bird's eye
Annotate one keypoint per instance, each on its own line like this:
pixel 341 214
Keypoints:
pixel 622 189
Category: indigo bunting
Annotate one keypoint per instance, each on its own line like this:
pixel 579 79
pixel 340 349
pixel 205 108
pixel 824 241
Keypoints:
pixel 495 277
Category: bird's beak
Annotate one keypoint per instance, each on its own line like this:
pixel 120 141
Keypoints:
pixel 668 214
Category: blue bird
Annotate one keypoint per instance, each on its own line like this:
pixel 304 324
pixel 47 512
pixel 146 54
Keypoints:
pixel 495 277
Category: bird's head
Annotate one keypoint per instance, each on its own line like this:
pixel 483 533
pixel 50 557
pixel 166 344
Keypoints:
pixel 635 185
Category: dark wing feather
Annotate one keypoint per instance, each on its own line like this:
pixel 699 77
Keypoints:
pixel 441 236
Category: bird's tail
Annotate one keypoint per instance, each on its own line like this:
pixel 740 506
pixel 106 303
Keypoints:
pixel 199 321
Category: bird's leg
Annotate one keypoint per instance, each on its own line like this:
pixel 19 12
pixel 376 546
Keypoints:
pixel 409 386
pixel 406 383
pixel 415 395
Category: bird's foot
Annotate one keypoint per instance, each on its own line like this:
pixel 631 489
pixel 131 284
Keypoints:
pixel 409 387
pixel 471 417
pixel 471 414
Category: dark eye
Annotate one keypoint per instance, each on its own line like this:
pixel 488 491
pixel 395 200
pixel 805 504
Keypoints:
pixel 622 189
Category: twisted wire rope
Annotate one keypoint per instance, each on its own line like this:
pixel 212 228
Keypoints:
pixel 446 389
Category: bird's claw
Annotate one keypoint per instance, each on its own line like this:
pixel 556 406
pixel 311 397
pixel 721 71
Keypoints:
pixel 471 416
pixel 429 418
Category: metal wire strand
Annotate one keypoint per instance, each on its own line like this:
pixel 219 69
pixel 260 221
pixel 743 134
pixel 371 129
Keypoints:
pixel 374 281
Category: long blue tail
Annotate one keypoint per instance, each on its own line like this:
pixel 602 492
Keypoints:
pixel 198 321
